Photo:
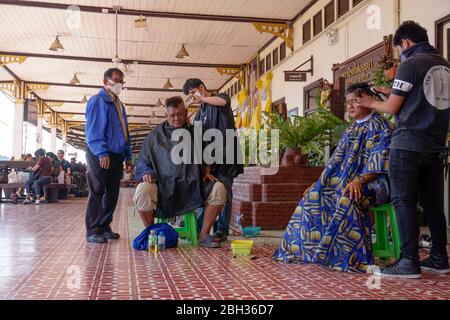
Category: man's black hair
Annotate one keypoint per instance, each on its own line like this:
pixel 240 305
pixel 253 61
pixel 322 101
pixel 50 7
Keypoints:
pixel 358 89
pixel 109 73
pixel 61 151
pixel 73 159
pixel 192 83
pixel 412 31
pixel 174 102
pixel 39 153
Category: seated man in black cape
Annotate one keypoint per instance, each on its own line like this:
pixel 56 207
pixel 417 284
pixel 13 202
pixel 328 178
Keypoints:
pixel 169 189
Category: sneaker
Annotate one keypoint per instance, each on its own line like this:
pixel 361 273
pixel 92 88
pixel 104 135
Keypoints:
pixel 37 202
pixel 27 201
pixel 220 236
pixel 209 242
pixel 437 264
pixel 110 235
pixel 404 269
pixel 97 238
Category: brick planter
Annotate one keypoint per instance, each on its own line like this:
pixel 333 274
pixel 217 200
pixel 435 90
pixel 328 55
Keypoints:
pixel 268 201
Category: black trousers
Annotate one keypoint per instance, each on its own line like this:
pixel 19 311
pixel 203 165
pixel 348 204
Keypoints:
pixel 104 188
pixel 418 177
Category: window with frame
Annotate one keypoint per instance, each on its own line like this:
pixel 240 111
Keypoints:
pixel 306 31
pixel 268 62
pixel 356 2
pixel 282 51
pixel 329 13
pixel 262 67
pixel 317 23
pixel 343 7
pixel 275 57
pixel 310 94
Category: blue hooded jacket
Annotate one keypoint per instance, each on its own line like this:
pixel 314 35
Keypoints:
pixel 103 127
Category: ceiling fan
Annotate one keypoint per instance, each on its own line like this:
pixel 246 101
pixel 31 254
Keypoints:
pixel 127 69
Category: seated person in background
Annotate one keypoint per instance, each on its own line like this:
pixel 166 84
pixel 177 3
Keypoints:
pixel 331 225
pixel 170 189
pixel 41 177
pixel 74 167
pixel 57 168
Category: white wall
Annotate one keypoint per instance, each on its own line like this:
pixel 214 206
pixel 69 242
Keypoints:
pixel 354 37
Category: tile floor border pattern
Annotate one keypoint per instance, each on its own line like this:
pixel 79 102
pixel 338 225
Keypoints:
pixel 115 271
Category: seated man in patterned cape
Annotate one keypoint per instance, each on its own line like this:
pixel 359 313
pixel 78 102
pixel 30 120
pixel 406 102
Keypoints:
pixel 170 189
pixel 331 224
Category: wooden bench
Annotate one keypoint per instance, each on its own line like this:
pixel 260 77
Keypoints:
pixel 129 184
pixel 51 191
pixel 13 186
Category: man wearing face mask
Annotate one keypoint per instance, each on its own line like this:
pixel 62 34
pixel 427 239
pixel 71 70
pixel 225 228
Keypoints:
pixel 108 146
pixel 215 113
pixel 420 100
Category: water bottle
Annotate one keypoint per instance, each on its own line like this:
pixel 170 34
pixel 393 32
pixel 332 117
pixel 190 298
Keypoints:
pixel 152 241
pixel 238 224
pixel 161 241
pixel 14 198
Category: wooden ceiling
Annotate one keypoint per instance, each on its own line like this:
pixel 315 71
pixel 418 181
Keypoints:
pixel 215 33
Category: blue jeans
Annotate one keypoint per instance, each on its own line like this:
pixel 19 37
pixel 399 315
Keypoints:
pixel 38 185
pixel 418 177
pixel 223 224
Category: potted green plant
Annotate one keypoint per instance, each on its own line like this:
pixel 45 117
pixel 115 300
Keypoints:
pixel 389 67
pixel 297 133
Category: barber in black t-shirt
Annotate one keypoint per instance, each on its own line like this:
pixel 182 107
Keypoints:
pixel 420 101
pixel 215 113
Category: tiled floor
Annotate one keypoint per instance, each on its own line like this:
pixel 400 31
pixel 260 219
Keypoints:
pixel 43 255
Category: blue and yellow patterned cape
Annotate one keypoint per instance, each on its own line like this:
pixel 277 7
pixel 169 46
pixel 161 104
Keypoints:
pixel 328 228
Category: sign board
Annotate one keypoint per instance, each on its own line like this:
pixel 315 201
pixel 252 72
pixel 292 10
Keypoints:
pixel 295 76
pixel 360 68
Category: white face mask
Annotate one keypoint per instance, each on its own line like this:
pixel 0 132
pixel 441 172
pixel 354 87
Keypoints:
pixel 116 88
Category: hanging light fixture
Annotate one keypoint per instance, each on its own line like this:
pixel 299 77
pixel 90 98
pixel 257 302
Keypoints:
pixel 75 80
pixel 183 54
pixel 84 100
pixel 159 104
pixel 56 46
pixel 168 85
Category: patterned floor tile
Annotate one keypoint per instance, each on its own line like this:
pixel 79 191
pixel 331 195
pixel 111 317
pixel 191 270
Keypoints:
pixel 43 255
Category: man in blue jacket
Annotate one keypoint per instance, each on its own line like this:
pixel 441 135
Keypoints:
pixel 108 145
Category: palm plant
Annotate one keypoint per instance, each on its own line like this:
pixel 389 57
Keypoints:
pixel 298 133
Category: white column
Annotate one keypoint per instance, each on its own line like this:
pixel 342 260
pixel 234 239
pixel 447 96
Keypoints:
pixel 64 142
pixel 18 128
pixel 39 133
pixel 53 140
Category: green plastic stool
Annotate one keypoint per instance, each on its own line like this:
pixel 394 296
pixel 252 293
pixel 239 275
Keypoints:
pixel 189 231
pixel 382 248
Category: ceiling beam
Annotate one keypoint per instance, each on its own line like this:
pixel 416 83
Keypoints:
pixel 84 121
pixel 89 86
pixel 153 14
pixel 84 113
pixel 126 104
pixel 109 60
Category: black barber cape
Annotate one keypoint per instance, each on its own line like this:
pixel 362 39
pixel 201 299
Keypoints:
pixel 180 186
pixel 221 118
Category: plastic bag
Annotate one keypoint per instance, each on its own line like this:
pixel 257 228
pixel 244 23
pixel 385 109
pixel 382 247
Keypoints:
pixel 13 177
